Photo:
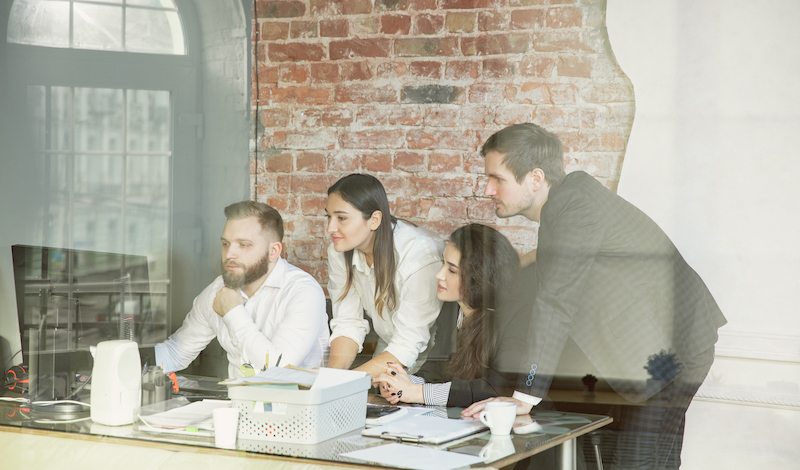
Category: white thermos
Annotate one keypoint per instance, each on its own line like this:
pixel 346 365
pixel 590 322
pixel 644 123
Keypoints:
pixel 116 382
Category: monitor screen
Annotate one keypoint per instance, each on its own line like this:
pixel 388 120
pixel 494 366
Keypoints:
pixel 69 300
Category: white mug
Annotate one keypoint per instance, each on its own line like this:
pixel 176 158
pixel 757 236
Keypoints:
pixel 499 416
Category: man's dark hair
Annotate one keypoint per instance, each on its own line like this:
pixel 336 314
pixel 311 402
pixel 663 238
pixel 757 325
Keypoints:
pixel 269 218
pixel 488 268
pixel 526 147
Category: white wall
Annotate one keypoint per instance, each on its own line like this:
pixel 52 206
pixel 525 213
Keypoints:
pixel 713 157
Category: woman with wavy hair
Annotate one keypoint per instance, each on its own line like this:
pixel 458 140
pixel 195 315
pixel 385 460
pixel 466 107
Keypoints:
pixel 479 272
pixel 382 266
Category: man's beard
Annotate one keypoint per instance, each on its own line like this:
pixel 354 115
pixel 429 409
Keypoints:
pixel 505 211
pixel 237 280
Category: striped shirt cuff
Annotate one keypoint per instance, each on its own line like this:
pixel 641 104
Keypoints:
pixel 436 394
pixel 415 379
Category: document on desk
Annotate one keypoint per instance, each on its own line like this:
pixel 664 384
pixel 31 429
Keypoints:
pixel 425 429
pixel 194 415
pixel 331 377
pixel 413 457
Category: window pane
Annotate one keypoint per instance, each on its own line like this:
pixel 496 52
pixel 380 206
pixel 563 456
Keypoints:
pixel 59 133
pixel 147 210
pixel 40 23
pixel 37 102
pixel 98 119
pixel 148 121
pixel 57 228
pixel 98 177
pixel 152 26
pixel 50 131
pixel 97 27
pixel 59 169
pixel 153 31
pixel 98 202
pixel 153 3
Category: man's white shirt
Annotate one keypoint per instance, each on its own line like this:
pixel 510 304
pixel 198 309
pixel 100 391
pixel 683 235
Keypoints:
pixel 285 318
pixel 405 332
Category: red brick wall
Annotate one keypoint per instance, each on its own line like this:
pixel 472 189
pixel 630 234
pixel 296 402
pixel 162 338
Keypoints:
pixel 408 90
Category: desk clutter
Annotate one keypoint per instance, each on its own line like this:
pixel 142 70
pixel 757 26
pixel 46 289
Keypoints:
pixel 335 403
pixel 320 414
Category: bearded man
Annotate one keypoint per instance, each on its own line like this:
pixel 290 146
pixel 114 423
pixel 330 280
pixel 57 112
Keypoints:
pixel 260 309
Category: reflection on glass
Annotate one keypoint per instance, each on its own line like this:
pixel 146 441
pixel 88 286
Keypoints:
pixel 97 27
pixel 39 23
pixel 102 195
pixel 147 206
pixel 60 137
pixel 153 31
pixel 97 194
pixel 36 115
pixel 71 300
pixel 52 104
pixel 91 226
pixel 153 3
pixel 57 228
pixel 98 119
pixel 98 177
pixel 148 121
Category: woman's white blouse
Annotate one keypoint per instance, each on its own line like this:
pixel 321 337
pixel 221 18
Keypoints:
pixel 407 332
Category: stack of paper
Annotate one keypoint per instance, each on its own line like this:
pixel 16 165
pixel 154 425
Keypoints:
pixel 194 418
pixel 278 376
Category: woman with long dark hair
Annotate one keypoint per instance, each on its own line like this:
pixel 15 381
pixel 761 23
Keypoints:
pixel 382 266
pixel 479 272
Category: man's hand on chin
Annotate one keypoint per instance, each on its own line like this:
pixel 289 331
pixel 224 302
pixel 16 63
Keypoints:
pixel 226 300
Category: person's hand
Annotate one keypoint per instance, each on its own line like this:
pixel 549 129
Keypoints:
pixel 395 386
pixel 387 391
pixel 226 300
pixel 475 409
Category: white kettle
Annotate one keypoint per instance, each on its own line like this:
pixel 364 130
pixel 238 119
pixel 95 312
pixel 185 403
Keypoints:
pixel 116 382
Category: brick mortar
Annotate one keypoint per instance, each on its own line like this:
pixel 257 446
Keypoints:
pixel 564 80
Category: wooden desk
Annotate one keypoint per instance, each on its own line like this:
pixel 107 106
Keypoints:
pixel 28 445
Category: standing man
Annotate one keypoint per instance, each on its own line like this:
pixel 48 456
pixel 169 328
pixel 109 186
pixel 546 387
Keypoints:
pixel 609 278
pixel 260 308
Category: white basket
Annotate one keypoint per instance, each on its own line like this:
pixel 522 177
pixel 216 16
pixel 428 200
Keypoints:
pixel 300 416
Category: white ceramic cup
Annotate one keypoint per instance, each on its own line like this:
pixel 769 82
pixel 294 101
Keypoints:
pixel 499 416
pixel 497 448
pixel 226 422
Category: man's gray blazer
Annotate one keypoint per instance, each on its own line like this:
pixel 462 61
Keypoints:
pixel 611 279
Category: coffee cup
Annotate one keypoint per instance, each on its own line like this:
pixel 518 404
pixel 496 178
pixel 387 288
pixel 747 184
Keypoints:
pixel 499 416
pixel 226 421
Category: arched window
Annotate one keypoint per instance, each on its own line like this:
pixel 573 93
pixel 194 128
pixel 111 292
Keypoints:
pixel 106 117
pixel 147 26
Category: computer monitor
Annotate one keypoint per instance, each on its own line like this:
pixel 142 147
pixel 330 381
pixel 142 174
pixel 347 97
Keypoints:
pixel 69 300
